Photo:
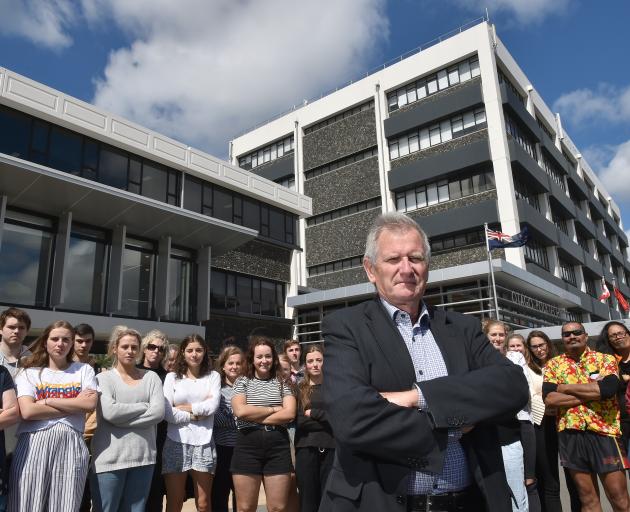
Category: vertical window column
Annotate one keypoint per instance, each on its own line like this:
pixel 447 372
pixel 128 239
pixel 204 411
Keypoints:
pixel 57 290
pixel 203 283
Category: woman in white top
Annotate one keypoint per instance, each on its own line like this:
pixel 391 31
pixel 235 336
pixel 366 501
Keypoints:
pixel 50 462
pixel 123 448
pixel 192 395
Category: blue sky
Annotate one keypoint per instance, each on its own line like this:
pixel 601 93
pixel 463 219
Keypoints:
pixel 203 71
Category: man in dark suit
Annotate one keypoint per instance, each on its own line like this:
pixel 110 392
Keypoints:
pixel 413 392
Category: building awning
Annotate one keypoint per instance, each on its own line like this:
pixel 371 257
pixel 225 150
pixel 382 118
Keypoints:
pixel 48 191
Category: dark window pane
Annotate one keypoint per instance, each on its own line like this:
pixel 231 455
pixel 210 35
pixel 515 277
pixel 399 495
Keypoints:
pixel 276 224
pixel 15 133
pixel 217 289
pixel 251 214
pixel 90 159
pixel 207 199
pixel 267 297
pixel 85 283
pixel 467 188
pixel 137 292
pixel 113 168
pixel 192 194
pixel 154 182
pixel 454 190
pixel 39 141
pixel 222 208
pixel 135 171
pixel 244 294
pixel 65 151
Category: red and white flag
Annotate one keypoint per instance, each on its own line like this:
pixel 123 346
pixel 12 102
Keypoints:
pixel 605 292
pixel 621 300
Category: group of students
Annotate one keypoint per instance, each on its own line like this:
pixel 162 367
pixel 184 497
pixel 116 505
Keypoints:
pixel 530 443
pixel 250 418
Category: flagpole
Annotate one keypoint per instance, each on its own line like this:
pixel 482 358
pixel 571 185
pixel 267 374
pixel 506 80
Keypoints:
pixel 494 286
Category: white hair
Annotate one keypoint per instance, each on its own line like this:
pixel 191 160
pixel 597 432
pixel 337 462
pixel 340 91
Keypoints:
pixel 393 221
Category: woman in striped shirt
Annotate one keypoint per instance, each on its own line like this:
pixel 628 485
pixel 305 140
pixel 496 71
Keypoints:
pixel 263 406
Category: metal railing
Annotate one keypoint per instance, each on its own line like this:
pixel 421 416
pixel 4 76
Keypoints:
pixel 372 71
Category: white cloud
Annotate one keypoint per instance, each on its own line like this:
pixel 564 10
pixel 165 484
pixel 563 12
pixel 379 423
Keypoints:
pixel 204 72
pixel 607 103
pixel 523 11
pixel 43 23
pixel 615 175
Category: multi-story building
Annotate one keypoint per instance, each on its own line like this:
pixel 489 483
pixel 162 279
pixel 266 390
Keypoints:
pixel 107 222
pixel 456 136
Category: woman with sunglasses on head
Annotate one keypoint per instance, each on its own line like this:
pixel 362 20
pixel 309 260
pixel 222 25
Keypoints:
pixel 230 366
pixel 192 395
pixel 314 443
pixel 541 350
pixel 54 392
pixel 124 451
pixel 615 339
pixel 153 350
pixel 263 405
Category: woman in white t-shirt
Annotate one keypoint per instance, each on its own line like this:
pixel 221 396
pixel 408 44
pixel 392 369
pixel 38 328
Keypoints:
pixel 192 392
pixel 50 462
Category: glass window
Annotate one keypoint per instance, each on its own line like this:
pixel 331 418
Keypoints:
pixel 267 297
pixel 411 93
pixel 276 224
pixel 87 269
pixel 15 133
pixel 454 190
pixel 65 151
pixel 410 199
pixel 154 182
pixel 445 130
pixel 469 119
pixel 192 194
pixel 432 84
pixel 181 289
pixel 421 89
pixel 222 207
pixel 425 140
pixel 413 143
pixel 251 214
pixel 480 116
pixel 421 196
pixel 400 202
pixel 26 255
pixel 457 124
pixel 443 190
pixel 112 169
pixel 39 141
pixel 393 150
pixel 402 99
pixel 137 289
pixel 432 194
pixel 442 79
pixel 474 68
pixel 453 75
pixel 217 289
pixel 464 71
pixel 467 187
pixel 434 134
pixel 90 159
pixel 393 101
pixel 403 146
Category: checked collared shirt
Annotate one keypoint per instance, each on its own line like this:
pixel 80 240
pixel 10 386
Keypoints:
pixel 428 364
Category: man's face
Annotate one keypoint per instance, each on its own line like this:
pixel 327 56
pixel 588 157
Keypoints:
pixel 400 271
pixel 14 331
pixel 83 345
pixel 293 353
pixel 574 338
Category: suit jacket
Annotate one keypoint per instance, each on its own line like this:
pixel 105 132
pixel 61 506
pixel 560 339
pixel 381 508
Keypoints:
pixel 379 443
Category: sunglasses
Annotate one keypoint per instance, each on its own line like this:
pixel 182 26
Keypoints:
pixel 576 332
pixel 153 348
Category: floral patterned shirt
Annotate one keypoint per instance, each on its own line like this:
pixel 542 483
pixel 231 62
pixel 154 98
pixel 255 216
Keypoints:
pixel 599 416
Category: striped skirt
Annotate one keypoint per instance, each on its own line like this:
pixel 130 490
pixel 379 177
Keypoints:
pixel 48 471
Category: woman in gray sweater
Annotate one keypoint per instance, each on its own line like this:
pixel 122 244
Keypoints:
pixel 131 403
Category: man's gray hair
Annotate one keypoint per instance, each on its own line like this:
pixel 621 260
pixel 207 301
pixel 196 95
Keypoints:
pixel 393 221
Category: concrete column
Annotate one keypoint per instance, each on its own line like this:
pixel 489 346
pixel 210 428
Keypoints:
pixel 162 277
pixel 203 283
pixel 499 152
pixel 3 214
pixel 384 165
pixel 552 256
pixel 62 245
pixel 298 260
pixel 114 281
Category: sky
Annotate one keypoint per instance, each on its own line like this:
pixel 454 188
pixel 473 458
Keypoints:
pixel 204 71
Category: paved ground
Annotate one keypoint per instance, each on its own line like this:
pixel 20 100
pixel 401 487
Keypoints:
pixel 189 506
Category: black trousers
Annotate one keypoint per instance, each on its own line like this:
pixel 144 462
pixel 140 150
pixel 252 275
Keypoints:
pixel 312 467
pixel 547 474
pixel 222 483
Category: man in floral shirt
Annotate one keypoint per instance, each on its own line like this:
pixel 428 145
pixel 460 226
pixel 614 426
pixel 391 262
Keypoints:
pixel 582 383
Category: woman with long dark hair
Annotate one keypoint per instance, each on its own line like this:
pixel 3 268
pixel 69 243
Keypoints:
pixel 263 405
pixel 615 339
pixel 230 367
pixel 314 443
pixel 50 462
pixel 541 350
pixel 192 394
pixel 124 445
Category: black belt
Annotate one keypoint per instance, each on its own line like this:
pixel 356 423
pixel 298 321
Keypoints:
pixel 268 428
pixel 448 502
